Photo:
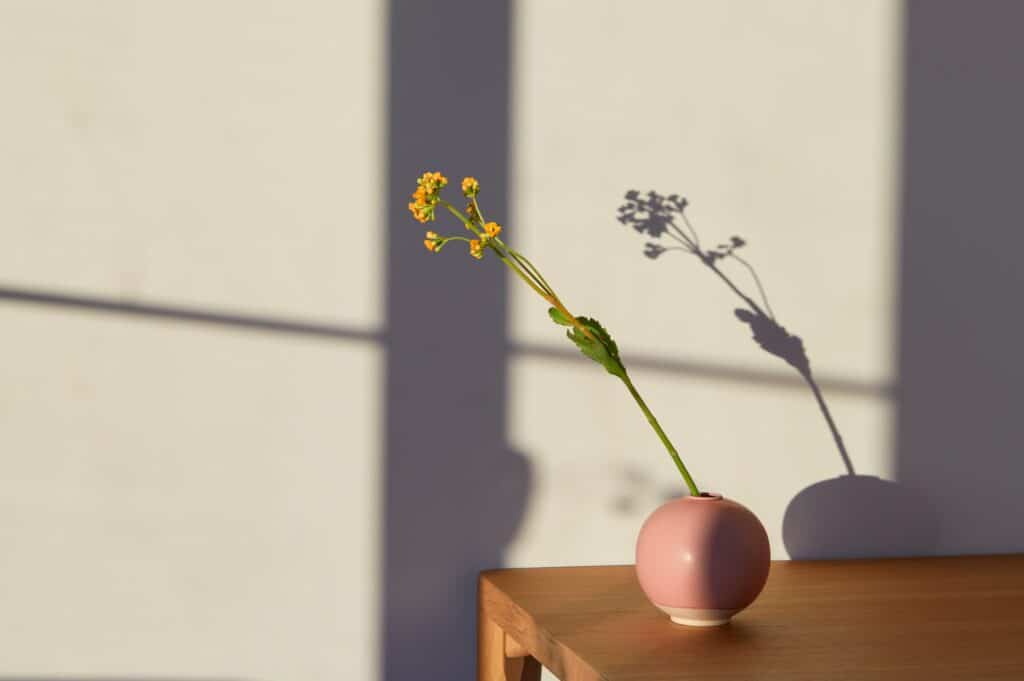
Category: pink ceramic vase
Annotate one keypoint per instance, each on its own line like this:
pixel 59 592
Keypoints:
pixel 702 559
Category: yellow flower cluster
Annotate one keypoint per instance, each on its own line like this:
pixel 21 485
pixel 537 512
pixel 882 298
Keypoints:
pixel 476 246
pixel 426 196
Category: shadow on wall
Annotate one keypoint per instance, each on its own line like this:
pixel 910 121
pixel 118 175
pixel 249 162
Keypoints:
pixel 858 516
pixel 848 516
pixel 227 318
pixel 454 491
pixel 959 449
pixel 960 433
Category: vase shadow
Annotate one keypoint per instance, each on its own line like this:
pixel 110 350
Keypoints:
pixel 859 516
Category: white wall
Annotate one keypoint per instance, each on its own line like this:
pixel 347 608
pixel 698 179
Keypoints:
pixel 779 122
pixel 190 499
pixel 181 499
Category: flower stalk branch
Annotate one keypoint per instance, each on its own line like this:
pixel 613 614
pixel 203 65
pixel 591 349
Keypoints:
pixel 586 333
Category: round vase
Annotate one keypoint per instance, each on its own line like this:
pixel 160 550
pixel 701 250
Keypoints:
pixel 702 559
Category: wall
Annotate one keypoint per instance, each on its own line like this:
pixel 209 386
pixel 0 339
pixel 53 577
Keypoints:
pixel 780 125
pixel 249 429
pixel 190 413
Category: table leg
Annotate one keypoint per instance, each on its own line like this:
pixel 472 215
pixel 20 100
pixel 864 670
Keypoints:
pixel 493 662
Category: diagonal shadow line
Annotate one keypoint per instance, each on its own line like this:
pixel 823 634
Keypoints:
pixel 720 372
pixel 189 314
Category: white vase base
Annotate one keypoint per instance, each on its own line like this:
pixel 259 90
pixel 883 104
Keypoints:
pixel 697 617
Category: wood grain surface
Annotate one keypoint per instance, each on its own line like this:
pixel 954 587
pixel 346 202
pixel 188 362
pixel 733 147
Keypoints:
pixel 927 619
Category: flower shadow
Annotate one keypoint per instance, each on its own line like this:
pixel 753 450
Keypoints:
pixel 664 219
pixel 848 516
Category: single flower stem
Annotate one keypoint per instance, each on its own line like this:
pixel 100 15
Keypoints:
pixel 558 305
pixel 661 434
pixel 462 218
pixel 639 400
pixel 526 271
pixel 478 211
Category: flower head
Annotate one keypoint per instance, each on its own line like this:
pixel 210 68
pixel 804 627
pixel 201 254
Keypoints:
pixel 476 249
pixel 432 182
pixel 427 195
pixel 470 187
pixel 433 242
pixel 493 229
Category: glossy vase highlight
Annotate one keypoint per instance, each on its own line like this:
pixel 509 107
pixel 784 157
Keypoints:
pixel 702 559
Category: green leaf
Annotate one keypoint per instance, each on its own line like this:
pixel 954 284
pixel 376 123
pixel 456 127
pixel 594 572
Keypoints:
pixel 558 318
pixel 601 348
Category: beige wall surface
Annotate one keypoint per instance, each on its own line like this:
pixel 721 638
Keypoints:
pixel 186 500
pixel 779 122
pixel 195 153
pixel 197 400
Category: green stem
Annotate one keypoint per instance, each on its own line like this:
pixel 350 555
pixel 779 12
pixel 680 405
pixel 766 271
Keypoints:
pixel 534 274
pixel 526 271
pixel 479 214
pixel 505 252
pixel 530 267
pixel 661 434
pixel 467 223
pixel 522 275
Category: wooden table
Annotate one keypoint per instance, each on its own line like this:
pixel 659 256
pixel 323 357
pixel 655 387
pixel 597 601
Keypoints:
pixel 922 619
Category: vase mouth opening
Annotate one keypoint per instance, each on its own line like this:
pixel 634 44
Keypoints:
pixel 706 496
